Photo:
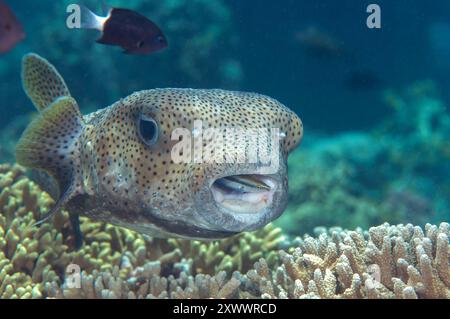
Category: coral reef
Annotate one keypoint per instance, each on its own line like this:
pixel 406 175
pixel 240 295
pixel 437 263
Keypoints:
pixel 386 262
pixel 340 191
pixel 396 173
pixel 31 256
pixel 419 127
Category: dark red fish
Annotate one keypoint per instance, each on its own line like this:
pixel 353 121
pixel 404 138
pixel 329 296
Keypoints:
pixel 126 28
pixel 11 31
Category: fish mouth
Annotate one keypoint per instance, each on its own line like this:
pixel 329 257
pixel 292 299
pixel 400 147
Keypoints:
pixel 244 194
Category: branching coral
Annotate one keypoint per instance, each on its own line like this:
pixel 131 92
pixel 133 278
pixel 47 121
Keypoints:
pixel 146 282
pixel 236 253
pixel 385 262
pixel 31 256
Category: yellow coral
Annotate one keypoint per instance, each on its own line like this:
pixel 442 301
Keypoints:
pixel 386 262
pixel 32 259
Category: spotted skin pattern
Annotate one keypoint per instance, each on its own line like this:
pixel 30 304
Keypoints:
pixel 121 180
pixel 42 92
pixel 58 129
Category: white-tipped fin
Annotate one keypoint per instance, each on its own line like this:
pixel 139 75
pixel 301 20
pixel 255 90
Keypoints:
pixel 90 20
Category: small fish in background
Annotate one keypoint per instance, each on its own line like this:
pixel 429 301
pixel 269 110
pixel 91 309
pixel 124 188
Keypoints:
pixel 363 80
pixel 126 28
pixel 318 44
pixel 11 31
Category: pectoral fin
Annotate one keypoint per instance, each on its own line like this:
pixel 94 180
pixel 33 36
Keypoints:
pixel 51 143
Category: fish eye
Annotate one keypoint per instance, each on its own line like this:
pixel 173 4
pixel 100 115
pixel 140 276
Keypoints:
pixel 148 130
pixel 160 39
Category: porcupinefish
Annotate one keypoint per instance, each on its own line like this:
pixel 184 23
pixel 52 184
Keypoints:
pixel 135 33
pixel 117 164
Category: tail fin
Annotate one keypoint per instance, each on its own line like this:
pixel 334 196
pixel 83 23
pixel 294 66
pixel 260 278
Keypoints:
pixel 90 20
pixel 41 81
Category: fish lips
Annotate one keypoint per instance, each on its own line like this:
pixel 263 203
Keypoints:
pixel 232 210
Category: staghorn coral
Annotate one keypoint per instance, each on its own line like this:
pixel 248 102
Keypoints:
pixel 385 262
pixel 147 282
pixel 235 253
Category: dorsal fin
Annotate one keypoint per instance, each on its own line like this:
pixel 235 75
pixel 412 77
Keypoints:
pixel 41 81
pixel 51 143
